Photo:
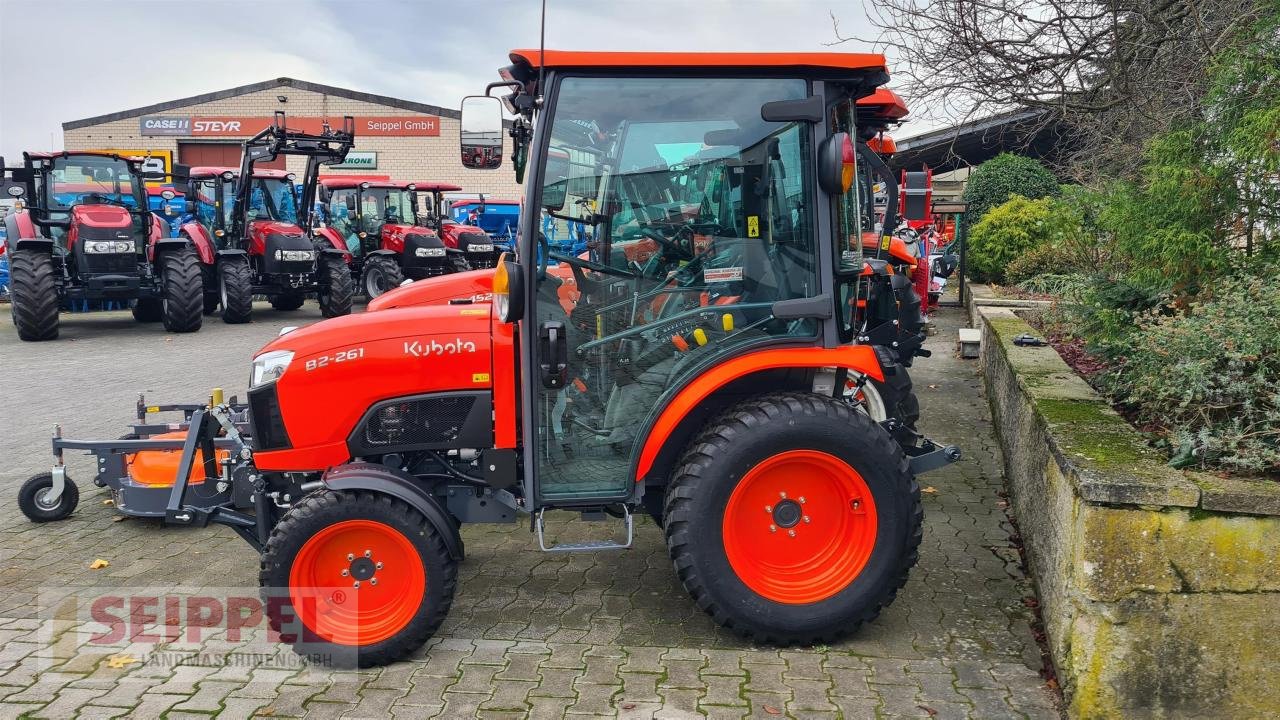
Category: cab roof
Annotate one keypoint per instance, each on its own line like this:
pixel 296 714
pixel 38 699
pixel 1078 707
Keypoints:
pixel 204 171
pixel 340 183
pixel 67 153
pixel 588 59
pixel 884 104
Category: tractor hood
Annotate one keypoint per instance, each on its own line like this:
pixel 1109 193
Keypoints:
pixel 101 216
pixel 474 285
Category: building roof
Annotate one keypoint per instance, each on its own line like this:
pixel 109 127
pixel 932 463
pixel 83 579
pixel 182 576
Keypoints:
pixel 593 59
pixel 284 82
pixel 969 144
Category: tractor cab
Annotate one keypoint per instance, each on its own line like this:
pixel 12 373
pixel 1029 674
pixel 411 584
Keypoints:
pixel 378 223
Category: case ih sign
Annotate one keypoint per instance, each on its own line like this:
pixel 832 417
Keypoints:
pixel 208 126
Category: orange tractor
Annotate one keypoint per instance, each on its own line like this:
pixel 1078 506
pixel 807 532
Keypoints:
pixel 693 363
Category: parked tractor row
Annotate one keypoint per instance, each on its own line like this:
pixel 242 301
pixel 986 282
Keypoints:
pixel 92 229
pixel 727 350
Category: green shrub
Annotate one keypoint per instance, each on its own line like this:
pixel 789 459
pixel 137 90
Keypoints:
pixel 1044 259
pixel 1210 377
pixel 1070 286
pixel 1013 229
pixel 1002 177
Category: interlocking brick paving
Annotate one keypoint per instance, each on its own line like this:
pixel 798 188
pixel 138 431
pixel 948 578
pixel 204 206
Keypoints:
pixel 530 634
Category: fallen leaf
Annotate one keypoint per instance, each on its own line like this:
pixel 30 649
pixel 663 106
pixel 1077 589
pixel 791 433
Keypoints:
pixel 266 711
pixel 108 501
pixel 929 710
pixel 1002 503
pixel 929 489
pixel 933 387
pixel 1051 683
pixel 772 710
pixel 98 564
pixel 120 518
pixel 628 706
pixel 121 660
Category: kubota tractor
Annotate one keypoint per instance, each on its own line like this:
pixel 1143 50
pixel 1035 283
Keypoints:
pixel 266 250
pixel 378 222
pixel 87 233
pixel 695 368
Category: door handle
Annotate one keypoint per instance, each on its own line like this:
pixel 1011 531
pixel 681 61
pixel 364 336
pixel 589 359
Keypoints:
pixel 553 354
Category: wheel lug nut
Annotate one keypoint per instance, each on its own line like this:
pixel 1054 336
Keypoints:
pixel 373 581
pixel 355 584
pixel 792 533
pixel 856 504
pixel 350 557
pixel 773 528
pixel 801 499
pixel 806 518
pixel 346 573
pixel 768 508
pixel 368 553
pixel 378 566
pixel 782 495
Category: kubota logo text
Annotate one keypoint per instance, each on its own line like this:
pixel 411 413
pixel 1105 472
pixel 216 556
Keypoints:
pixel 423 348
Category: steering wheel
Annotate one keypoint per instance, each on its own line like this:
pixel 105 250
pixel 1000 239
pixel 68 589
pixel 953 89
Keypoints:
pixel 100 198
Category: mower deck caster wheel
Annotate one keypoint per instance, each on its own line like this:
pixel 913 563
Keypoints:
pixel 35 503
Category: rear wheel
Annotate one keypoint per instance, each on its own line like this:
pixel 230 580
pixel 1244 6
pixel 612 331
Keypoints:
pixel 212 296
pixel 235 285
pixel 35 502
pixel 893 398
pixel 336 286
pixel 289 301
pixel 381 274
pixel 33 295
pixel 148 310
pixel 793 518
pixel 360 577
pixel 183 303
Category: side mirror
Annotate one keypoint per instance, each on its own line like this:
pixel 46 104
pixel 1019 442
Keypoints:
pixel 917 194
pixel 836 164
pixel 480 132
pixel 350 202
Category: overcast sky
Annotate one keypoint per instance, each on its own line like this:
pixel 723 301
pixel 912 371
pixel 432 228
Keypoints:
pixel 65 60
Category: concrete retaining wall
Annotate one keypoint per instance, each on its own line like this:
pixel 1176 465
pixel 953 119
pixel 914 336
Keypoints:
pixel 1160 589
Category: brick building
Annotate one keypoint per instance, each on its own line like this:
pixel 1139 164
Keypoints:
pixel 396 139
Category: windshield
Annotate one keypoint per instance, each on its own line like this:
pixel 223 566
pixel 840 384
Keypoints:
pixel 272 199
pixel 379 206
pixel 90 178
pixel 207 204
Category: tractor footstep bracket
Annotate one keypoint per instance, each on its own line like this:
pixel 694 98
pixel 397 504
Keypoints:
pixel 588 546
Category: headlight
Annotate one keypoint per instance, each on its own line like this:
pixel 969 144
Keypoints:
pixel 480 247
pixel 295 255
pixel 430 252
pixel 269 366
pixel 108 246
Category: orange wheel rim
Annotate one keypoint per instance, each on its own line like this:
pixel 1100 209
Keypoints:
pixel 357 582
pixel 799 527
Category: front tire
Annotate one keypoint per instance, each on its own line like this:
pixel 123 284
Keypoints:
pixel 34 502
pixel 183 303
pixel 336 286
pixel 359 577
pixel 33 297
pixel 457 263
pixel 148 310
pixel 235 284
pixel 793 518
pixel 381 274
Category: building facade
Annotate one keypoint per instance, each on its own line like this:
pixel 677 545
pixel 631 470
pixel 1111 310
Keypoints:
pixel 395 139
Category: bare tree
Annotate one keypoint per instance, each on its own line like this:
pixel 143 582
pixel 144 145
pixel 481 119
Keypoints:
pixel 1115 72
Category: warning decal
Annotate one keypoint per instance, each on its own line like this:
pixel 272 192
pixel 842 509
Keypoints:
pixel 728 274
pixel 753 226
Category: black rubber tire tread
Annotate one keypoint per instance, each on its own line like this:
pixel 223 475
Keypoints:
pixel 234 271
pixel 323 508
pixel 389 268
pixel 183 290
pixel 148 310
pixel 900 401
pixel 287 302
pixel 457 263
pixel 34 301
pixel 209 276
pixel 33 485
pixel 336 286
pixel 789 420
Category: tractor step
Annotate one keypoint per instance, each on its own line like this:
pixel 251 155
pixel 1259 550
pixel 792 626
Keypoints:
pixel 588 546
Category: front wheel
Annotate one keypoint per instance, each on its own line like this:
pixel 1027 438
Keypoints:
pixel 33 298
pixel 358 577
pixel 183 301
pixel 381 274
pixel 336 286
pixel 235 285
pixel 35 502
pixel 793 518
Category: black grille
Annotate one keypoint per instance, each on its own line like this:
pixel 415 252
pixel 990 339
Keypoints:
pixel 436 421
pixel 418 422
pixel 265 420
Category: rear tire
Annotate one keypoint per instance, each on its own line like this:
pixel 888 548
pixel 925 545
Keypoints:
pixel 235 283
pixel 839 570
pixel 894 398
pixel 336 286
pixel 287 302
pixel 32 501
pixel 311 545
pixel 381 274
pixel 183 303
pixel 33 295
pixel 148 310
pixel 212 296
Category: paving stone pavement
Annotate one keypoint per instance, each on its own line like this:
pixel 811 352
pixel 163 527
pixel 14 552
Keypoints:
pixel 530 634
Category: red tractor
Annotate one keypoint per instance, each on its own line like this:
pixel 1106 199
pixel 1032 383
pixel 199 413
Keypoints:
pixel 265 250
pixel 87 233
pixel 695 368
pixel 378 222
pixel 476 247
